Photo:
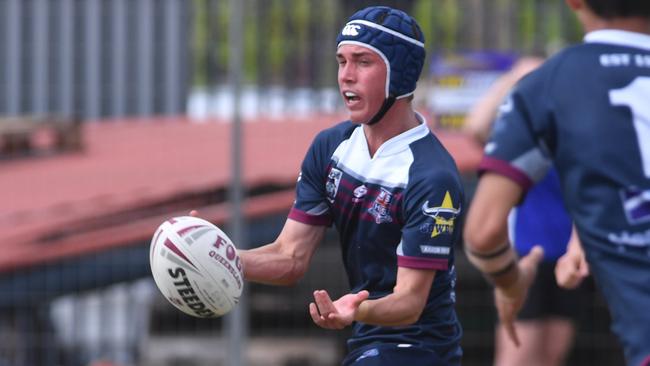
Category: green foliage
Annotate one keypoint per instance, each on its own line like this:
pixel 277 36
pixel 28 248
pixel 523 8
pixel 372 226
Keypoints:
pixel 448 18
pixel 200 44
pixel 221 34
pixel 300 25
pixel 290 29
pixel 276 40
pixel 527 30
pixel 423 12
pixel 251 47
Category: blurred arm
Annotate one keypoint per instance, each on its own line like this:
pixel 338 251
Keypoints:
pixel 486 231
pixel 478 123
pixel 488 248
pixel 402 307
pixel 286 260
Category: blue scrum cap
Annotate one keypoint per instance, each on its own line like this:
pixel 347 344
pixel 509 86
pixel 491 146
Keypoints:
pixel 396 37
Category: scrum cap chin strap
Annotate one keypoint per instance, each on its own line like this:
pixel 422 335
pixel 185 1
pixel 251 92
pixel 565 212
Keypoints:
pixel 388 102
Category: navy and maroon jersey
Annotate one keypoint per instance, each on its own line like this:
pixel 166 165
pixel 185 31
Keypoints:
pixel 400 207
pixel 588 111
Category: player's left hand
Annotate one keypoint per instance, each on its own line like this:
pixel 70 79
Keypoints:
pixel 337 314
pixel 509 301
pixel 572 267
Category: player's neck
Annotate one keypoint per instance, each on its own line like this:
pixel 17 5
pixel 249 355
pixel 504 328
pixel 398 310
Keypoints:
pixel 631 24
pixel 399 118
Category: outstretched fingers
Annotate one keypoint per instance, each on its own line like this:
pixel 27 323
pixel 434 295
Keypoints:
pixel 324 303
pixel 507 310
pixel 511 331
pixel 534 257
pixel 323 312
pixel 335 314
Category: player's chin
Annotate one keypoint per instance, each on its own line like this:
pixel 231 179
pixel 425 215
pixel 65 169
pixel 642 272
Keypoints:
pixel 358 118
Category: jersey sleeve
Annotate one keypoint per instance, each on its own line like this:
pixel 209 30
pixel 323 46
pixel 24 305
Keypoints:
pixel 311 206
pixel 519 145
pixel 432 214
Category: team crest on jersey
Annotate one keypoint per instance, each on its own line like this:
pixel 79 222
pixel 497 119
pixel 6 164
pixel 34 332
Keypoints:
pixel 380 209
pixel 443 216
pixel 332 185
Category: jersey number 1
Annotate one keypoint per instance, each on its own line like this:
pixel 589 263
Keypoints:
pixel 636 96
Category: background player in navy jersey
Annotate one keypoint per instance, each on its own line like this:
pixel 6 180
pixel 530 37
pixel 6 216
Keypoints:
pixel 395 197
pixel 587 109
pixel 546 323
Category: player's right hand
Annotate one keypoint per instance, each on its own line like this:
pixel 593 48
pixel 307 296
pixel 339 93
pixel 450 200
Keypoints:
pixel 509 302
pixel 337 314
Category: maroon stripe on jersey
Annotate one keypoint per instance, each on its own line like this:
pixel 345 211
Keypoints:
pixel 502 167
pixel 305 218
pixel 646 362
pixel 347 184
pixel 422 263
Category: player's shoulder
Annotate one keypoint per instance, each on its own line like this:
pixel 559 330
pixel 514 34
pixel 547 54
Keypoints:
pixel 563 67
pixel 568 63
pixel 434 180
pixel 335 134
pixel 430 155
pixel 549 68
pixel 432 163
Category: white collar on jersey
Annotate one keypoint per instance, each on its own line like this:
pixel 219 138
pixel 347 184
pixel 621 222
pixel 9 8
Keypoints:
pixel 400 142
pixel 619 37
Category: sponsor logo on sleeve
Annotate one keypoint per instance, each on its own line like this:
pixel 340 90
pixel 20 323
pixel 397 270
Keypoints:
pixel 429 249
pixel 443 216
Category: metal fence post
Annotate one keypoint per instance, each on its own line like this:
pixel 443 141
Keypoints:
pixel 237 321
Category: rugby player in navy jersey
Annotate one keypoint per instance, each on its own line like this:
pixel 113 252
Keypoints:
pixel 586 110
pixel 395 197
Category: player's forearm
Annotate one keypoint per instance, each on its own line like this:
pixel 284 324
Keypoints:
pixel 507 281
pixel 390 310
pixel 269 266
pixel 486 234
pixel 498 265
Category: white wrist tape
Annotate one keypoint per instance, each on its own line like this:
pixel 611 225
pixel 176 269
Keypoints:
pixel 493 263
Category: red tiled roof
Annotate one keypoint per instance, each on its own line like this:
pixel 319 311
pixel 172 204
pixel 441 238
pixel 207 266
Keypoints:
pixel 135 163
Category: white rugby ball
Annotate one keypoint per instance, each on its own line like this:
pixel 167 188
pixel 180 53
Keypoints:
pixel 196 267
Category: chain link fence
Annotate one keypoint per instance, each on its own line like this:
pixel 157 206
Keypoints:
pixel 97 61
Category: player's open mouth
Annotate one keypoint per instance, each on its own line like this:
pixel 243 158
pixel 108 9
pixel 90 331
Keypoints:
pixel 350 97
